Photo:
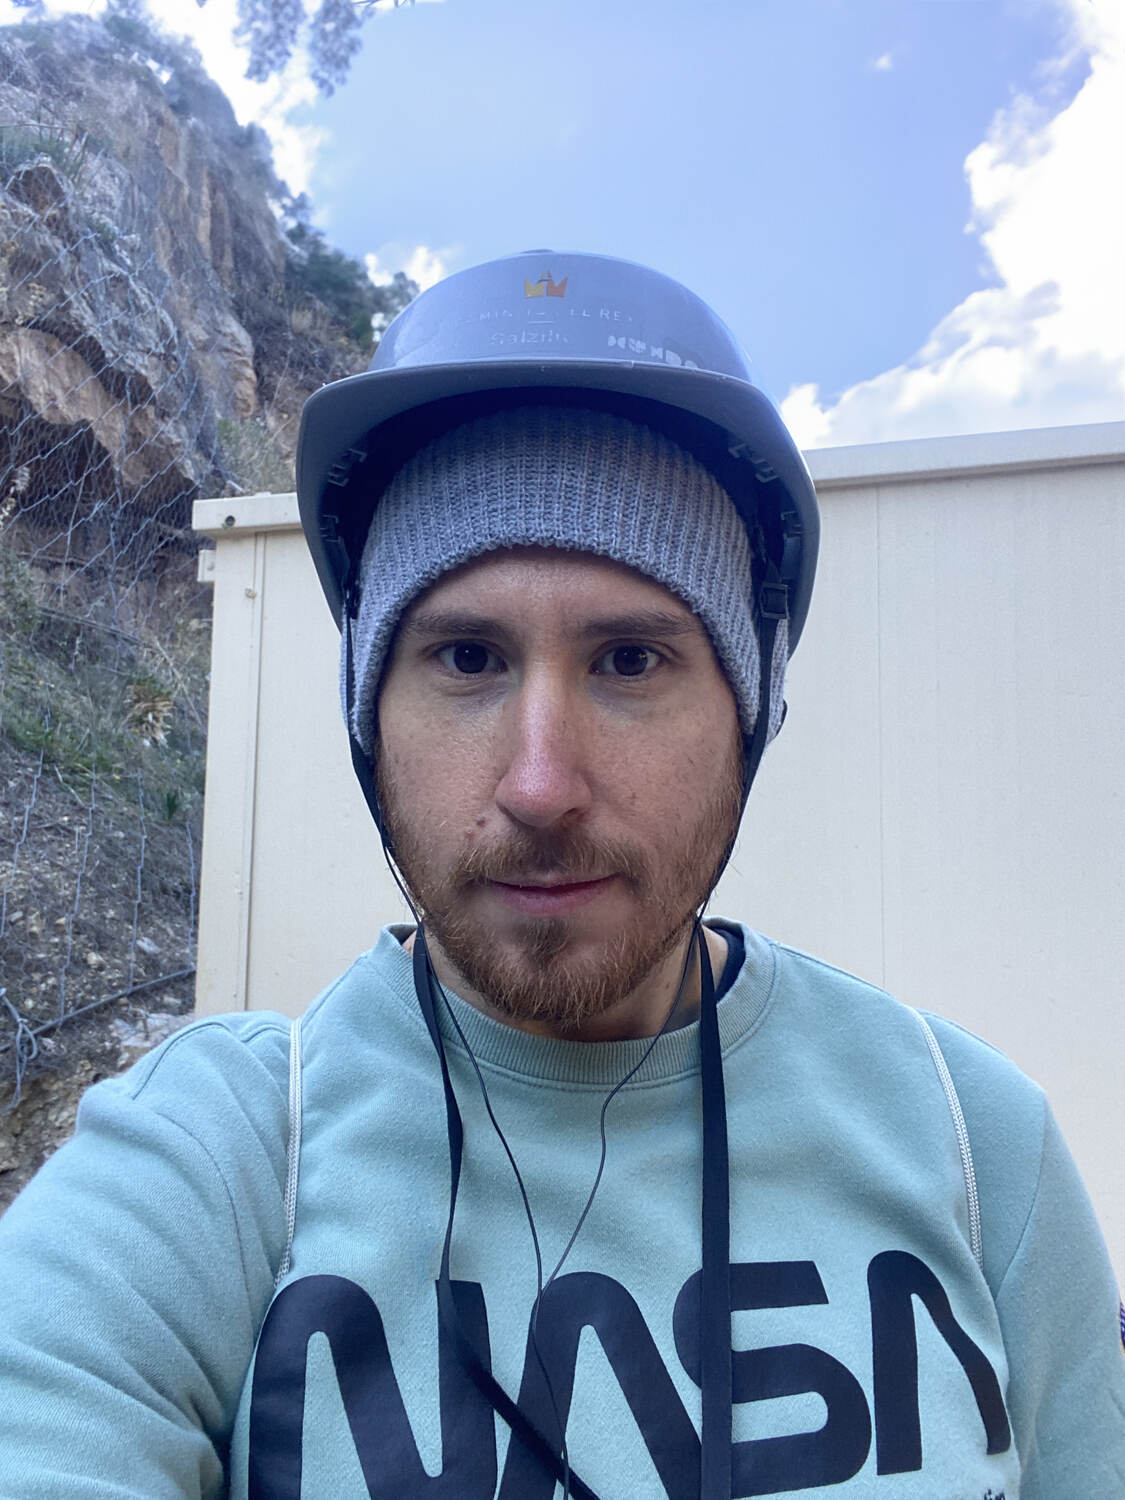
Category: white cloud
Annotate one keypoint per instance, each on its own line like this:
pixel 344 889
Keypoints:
pixel 884 64
pixel 421 264
pixel 808 421
pixel 1047 345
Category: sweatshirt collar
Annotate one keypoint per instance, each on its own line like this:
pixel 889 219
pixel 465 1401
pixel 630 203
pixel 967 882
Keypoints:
pixel 590 1064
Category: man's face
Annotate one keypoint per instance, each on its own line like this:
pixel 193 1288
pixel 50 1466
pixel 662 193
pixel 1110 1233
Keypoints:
pixel 559 763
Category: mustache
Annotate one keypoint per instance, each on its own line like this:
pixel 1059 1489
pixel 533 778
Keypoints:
pixel 531 857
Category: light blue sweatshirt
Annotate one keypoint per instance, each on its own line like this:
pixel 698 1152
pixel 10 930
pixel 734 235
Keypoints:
pixel 144 1352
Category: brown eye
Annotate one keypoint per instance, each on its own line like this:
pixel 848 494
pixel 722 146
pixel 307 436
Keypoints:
pixel 469 658
pixel 626 661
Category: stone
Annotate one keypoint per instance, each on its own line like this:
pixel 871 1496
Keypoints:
pixel 143 280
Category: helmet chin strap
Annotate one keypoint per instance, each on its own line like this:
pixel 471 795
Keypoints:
pixel 361 762
pixel 773 607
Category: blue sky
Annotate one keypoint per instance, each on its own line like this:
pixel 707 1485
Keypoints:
pixel 752 149
pixel 909 211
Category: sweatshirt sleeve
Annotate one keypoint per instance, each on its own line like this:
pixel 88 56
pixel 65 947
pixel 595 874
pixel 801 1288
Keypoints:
pixel 1050 1274
pixel 1060 1313
pixel 136 1268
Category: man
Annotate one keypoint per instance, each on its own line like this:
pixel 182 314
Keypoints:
pixel 560 1190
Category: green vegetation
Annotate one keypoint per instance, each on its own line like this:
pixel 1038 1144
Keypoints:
pixel 253 459
pixel 105 231
pixel 315 272
pixel 334 279
pixel 19 607
pixel 96 700
pixel 70 152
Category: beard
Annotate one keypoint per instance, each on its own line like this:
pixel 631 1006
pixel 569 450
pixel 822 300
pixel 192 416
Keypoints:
pixel 537 973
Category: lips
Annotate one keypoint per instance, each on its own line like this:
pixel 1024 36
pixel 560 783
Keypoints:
pixel 550 898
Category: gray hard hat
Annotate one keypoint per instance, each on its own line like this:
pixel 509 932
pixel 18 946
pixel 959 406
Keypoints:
pixel 570 329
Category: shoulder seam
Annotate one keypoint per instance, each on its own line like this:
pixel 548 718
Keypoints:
pixel 135 1091
pixel 1037 1092
pixel 292 1150
pixel 961 1130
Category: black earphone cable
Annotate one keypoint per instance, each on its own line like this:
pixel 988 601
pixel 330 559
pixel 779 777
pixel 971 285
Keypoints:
pixel 715 1307
pixel 512 1413
pixel 542 1287
pixel 614 1091
pixel 715 1296
pixel 539 1286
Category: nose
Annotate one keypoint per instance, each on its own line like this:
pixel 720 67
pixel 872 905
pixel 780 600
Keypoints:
pixel 544 778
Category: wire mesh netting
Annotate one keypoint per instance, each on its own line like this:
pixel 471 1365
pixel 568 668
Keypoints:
pixel 104 631
pixel 161 322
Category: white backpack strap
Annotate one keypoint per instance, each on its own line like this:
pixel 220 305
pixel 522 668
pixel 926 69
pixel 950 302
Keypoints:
pixel 293 1150
pixel 962 1132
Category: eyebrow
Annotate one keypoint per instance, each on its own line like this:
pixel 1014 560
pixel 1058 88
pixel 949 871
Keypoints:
pixel 636 624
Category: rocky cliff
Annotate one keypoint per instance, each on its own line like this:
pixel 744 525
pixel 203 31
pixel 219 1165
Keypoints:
pixel 165 307
pixel 159 328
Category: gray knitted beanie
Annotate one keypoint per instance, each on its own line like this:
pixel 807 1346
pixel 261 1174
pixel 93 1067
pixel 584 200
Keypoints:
pixel 565 477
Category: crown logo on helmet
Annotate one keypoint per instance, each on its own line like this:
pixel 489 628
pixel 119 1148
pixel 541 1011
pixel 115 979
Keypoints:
pixel 547 284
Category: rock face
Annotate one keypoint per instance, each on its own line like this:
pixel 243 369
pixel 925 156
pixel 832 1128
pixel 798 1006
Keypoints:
pixel 153 346
pixel 165 308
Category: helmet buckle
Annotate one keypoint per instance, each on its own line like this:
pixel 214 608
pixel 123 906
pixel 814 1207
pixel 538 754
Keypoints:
pixel 773 601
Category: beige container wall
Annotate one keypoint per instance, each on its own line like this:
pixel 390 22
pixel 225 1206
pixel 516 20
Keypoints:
pixel 943 813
